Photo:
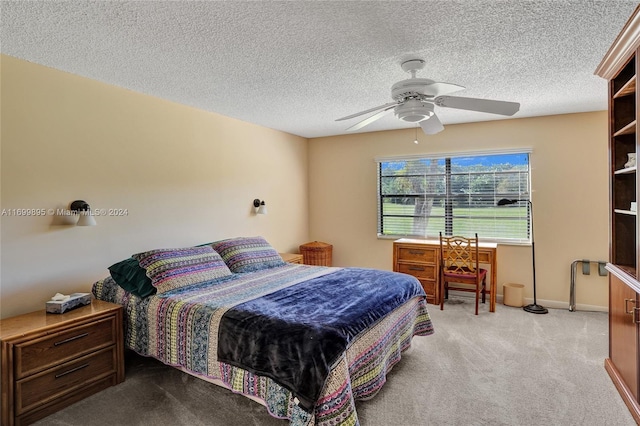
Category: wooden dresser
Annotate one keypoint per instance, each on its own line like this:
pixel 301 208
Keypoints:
pixel 421 258
pixel 621 67
pixel 416 258
pixel 50 361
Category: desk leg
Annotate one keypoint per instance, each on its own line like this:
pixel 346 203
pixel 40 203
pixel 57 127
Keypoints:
pixel 494 285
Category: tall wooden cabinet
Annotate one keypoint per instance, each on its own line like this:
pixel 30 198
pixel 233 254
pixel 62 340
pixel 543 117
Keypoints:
pixel 621 67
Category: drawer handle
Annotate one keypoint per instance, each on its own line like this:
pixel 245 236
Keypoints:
pixel 419 252
pixel 70 339
pixel 626 306
pixel 415 268
pixel 80 367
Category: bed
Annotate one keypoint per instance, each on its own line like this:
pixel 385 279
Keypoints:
pixel 305 341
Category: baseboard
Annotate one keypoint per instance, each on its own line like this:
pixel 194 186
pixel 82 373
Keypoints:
pixel 555 304
pixel 552 304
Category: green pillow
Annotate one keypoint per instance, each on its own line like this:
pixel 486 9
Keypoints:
pixel 129 275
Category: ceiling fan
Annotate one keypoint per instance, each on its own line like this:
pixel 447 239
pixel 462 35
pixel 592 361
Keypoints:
pixel 414 100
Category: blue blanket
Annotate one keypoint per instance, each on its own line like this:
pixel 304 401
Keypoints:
pixel 296 334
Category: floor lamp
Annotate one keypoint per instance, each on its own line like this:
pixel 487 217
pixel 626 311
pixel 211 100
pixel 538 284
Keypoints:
pixel 534 308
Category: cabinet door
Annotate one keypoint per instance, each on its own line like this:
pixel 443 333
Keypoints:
pixel 623 333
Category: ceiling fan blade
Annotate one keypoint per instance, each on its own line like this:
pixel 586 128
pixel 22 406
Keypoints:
pixel 431 125
pixel 368 111
pixel 371 119
pixel 439 89
pixel 481 105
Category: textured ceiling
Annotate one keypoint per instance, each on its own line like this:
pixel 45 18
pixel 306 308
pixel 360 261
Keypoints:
pixel 296 66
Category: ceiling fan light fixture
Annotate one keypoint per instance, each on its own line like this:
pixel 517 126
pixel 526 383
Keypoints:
pixel 414 99
pixel 414 111
pixel 412 87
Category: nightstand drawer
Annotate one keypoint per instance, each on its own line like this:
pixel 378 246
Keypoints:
pixel 56 382
pixel 419 271
pixel 427 255
pixel 37 355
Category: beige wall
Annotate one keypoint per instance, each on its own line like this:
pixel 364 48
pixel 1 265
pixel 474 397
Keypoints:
pixel 570 196
pixel 187 176
pixel 184 175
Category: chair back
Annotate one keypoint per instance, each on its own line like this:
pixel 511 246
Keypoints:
pixel 459 255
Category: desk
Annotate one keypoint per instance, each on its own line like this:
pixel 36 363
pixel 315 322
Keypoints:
pixel 421 258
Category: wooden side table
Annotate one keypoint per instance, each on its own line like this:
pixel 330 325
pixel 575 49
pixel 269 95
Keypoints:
pixel 292 257
pixel 50 361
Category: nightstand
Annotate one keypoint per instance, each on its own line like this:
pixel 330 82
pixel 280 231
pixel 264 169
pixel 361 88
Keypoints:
pixel 50 361
pixel 291 257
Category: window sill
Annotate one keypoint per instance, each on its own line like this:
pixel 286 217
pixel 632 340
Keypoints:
pixel 483 240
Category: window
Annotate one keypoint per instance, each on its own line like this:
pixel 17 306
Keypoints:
pixel 456 194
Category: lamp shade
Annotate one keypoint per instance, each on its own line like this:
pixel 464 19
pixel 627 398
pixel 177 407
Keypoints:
pixel 263 208
pixel 86 219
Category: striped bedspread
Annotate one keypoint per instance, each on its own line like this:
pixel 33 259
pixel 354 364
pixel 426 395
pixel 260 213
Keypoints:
pixel 180 328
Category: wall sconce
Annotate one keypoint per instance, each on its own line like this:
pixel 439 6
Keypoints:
pixel 260 206
pixel 83 209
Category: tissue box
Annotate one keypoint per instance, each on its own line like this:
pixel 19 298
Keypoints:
pixel 75 300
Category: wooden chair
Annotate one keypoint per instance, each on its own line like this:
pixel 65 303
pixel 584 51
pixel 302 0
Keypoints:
pixel 459 266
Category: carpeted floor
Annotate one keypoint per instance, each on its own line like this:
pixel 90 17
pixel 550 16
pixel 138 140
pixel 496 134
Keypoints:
pixel 504 368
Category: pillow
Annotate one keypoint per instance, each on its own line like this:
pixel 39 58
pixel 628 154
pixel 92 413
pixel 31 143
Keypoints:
pixel 131 277
pixel 248 254
pixel 170 269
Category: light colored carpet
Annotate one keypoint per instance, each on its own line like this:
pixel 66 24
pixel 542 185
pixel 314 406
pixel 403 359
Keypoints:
pixel 504 368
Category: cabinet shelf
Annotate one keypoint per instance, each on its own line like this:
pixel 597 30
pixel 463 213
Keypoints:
pixel 624 273
pixel 628 212
pixel 629 129
pixel 629 88
pixel 628 270
pixel 625 170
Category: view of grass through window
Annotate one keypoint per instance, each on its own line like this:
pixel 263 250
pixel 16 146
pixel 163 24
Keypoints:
pixel 420 197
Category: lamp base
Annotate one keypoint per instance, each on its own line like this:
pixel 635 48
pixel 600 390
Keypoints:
pixel 536 309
